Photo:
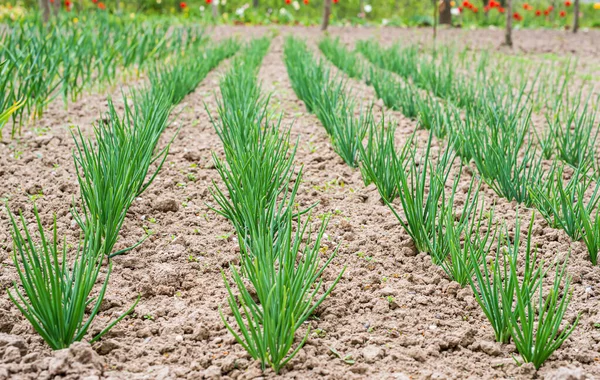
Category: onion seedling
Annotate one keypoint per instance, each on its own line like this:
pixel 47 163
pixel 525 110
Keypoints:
pixel 57 289
pixel 377 158
pixel 288 283
pixel 344 59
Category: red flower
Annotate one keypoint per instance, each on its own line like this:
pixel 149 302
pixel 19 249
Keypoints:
pixel 288 1
pixel 568 3
pixel 526 6
pixel 182 5
pixel 538 13
pixel 52 1
pixel 466 4
pixel 562 14
pixel 546 12
pixel 474 9
pixel 517 16
pixel 460 9
pixel 305 2
pixel 335 1
pixel 208 1
pixel 101 6
pixel 500 9
pixel 94 1
pixel 486 8
pixel 67 3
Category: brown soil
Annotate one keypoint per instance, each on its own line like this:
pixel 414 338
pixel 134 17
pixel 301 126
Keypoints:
pixel 432 329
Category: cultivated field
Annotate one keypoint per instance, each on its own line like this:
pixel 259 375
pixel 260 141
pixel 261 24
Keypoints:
pixel 450 197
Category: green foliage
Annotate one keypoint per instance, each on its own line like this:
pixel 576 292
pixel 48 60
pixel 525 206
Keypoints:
pixel 574 133
pixel 181 79
pixel 326 97
pixel 305 75
pixel 507 162
pixel 112 172
pixel 58 292
pixel 458 246
pixel 377 159
pixel 112 169
pixel 42 62
pixel 345 60
pixel 277 257
pixel 395 94
pixel 346 130
pixel 591 227
pixel 560 204
pixel 536 329
pixel 495 288
pixel 286 278
pixel 507 294
pixel 412 176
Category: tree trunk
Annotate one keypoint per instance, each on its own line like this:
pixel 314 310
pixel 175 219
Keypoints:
pixel 326 14
pixel 45 8
pixel 435 20
pixel 255 3
pixel 215 11
pixel 576 16
pixel 445 12
pixel 361 7
pixel 56 7
pixel 509 16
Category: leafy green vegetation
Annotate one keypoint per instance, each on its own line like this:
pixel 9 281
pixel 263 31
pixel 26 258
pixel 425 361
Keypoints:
pixel 112 171
pixel 277 256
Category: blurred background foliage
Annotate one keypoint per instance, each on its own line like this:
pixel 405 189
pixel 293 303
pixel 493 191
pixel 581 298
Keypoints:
pixel 473 13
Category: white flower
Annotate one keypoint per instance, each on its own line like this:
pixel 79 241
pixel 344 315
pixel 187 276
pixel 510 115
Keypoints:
pixel 368 8
pixel 384 21
pixel 158 1
pixel 216 2
pixel 202 8
pixel 240 11
pixel 282 11
pixel 223 2
pixel 296 5
pixel 455 11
